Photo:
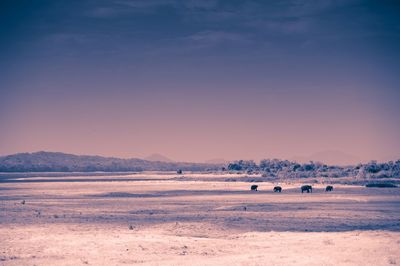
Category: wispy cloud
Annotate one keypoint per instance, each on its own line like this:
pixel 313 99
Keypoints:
pixel 194 25
pixel 205 43
pixel 214 37
pixel 64 37
pixel 204 4
pixel 105 12
pixel 145 4
pixel 282 26
pixel 126 7
pixel 115 9
pixel 286 16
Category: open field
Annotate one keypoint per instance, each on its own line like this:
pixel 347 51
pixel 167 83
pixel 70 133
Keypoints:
pixel 153 219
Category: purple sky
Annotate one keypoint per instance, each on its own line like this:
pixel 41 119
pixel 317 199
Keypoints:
pixel 197 80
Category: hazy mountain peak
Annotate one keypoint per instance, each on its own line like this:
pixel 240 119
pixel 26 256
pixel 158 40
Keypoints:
pixel 155 157
pixel 217 161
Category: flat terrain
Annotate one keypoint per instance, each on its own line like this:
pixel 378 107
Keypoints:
pixel 156 219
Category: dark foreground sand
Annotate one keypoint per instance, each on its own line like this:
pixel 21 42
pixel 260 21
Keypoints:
pixel 165 222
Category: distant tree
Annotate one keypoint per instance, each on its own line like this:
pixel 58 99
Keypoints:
pixel 372 167
pixel 234 167
pixel 308 167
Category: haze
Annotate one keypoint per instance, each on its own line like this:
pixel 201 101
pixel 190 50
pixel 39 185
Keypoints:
pixel 199 80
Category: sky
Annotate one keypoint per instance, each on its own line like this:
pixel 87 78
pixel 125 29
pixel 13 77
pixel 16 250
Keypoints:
pixel 201 79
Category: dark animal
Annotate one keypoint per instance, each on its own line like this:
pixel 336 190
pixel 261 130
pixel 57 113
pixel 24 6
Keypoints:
pixel 254 187
pixel 179 171
pixel 277 189
pixel 307 188
pixel 328 188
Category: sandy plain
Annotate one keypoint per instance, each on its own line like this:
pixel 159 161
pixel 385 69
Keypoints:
pixel 153 219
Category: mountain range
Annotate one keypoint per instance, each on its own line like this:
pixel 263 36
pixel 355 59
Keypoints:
pixel 61 162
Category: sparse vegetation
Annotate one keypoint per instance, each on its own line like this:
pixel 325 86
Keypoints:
pixel 284 169
pixel 268 170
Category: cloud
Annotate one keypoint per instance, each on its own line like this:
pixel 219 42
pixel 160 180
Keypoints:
pixel 119 8
pixel 125 7
pixel 210 39
pixel 105 12
pixel 203 4
pixel 64 37
pixel 145 4
pixel 191 4
pixel 213 37
pixel 283 26
pixel 202 42
pixel 194 25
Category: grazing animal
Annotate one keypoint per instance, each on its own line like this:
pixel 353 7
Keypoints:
pixel 329 188
pixel 278 189
pixel 307 188
pixel 254 187
pixel 179 171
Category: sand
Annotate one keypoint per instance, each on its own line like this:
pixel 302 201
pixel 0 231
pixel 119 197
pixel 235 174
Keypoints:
pixel 166 222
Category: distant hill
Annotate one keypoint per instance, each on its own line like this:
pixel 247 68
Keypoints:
pixel 61 162
pixel 217 161
pixel 157 158
pixel 329 157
